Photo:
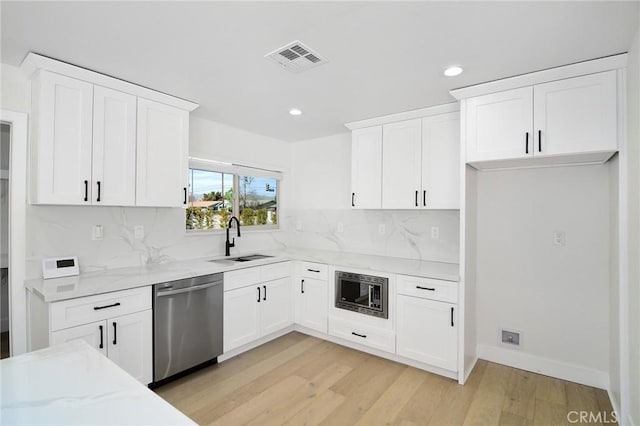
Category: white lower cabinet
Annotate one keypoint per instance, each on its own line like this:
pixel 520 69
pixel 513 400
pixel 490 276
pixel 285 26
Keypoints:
pixel 253 307
pixel 427 331
pixel 311 294
pixel 368 335
pixel 118 324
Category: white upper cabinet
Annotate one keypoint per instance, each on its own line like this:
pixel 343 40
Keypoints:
pixel 500 125
pixel 576 115
pixel 61 150
pixel 441 161
pixel 570 120
pixel 162 152
pixel 114 148
pixel 102 141
pixel 401 164
pixel 366 168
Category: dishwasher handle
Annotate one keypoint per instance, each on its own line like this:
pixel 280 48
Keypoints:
pixel 187 289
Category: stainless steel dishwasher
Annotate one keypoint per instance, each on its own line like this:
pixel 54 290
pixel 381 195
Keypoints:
pixel 187 324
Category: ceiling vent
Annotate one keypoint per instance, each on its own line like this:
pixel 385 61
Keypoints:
pixel 296 57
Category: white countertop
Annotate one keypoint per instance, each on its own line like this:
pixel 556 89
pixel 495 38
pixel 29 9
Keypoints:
pixel 91 283
pixel 73 384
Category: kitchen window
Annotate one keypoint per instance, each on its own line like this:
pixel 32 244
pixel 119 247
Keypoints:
pixel 218 191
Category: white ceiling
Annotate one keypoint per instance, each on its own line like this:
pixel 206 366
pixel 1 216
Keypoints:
pixel 385 57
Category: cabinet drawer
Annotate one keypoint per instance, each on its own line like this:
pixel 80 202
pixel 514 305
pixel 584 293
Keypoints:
pixel 275 271
pixel 241 278
pixel 376 338
pixel 428 288
pixel 84 310
pixel 318 271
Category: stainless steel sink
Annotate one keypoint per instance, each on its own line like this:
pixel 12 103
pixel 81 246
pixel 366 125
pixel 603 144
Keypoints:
pixel 232 260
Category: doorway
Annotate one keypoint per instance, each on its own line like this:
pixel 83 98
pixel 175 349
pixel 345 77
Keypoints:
pixel 5 140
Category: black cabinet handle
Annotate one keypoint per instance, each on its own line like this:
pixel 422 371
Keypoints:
pixel 86 190
pixel 97 308
pixel 115 331
pixel 425 288
pixel 258 294
pixel 353 204
pixel 302 286
pixel 539 140
pixel 185 196
pixel 424 198
pixel 314 270
pixel 265 292
pixel 526 147
pixel 101 337
pixel 98 199
pixel 416 198
pixel 359 335
pixel 451 317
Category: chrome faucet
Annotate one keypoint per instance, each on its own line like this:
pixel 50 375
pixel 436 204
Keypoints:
pixel 232 243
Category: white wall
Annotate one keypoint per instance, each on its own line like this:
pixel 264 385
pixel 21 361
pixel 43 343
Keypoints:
pixel 15 94
pixel 556 296
pixel 633 179
pixel 322 186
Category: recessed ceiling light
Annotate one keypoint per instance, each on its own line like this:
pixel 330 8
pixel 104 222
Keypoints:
pixel 295 111
pixel 453 71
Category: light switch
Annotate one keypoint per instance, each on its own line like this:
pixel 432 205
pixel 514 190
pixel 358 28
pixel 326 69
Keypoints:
pixel 435 232
pixel 138 232
pixel 97 233
pixel 559 238
pixel 382 228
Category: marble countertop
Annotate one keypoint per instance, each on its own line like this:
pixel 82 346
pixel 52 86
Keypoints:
pixel 91 283
pixel 73 384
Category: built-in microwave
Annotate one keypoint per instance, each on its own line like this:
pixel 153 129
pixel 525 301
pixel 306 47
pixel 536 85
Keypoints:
pixel 365 294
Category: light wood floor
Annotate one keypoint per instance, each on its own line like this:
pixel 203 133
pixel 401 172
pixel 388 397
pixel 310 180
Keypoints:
pixel 299 380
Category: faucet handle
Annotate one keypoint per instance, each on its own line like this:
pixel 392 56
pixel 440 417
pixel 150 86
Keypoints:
pixel 233 242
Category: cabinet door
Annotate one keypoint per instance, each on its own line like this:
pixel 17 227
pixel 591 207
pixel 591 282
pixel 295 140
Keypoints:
pixel 114 148
pixel 428 332
pixel 276 306
pixel 366 168
pixel 311 304
pixel 162 155
pixel 499 125
pixel 241 316
pixel 62 149
pixel 401 164
pixel 441 161
pixel 94 334
pixel 130 344
pixel 576 115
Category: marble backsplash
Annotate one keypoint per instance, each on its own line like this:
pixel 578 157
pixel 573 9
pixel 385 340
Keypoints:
pixel 66 230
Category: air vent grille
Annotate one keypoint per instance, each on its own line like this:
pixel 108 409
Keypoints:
pixel 296 57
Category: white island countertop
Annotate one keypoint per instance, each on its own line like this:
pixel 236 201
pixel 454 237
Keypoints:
pixel 73 384
pixel 92 283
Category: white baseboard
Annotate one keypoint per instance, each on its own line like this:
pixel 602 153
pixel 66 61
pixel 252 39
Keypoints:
pixel 546 366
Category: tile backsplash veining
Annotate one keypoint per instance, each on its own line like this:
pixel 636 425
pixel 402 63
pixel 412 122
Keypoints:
pixel 66 230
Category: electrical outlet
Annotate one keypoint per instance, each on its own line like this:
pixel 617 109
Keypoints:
pixel 511 337
pixel 97 233
pixel 138 232
pixel 340 227
pixel 435 232
pixel 559 238
pixel 382 228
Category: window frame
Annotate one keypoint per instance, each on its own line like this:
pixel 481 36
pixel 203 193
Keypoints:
pixel 235 170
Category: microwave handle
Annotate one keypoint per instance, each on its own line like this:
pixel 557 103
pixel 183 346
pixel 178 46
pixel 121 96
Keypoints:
pixel 370 290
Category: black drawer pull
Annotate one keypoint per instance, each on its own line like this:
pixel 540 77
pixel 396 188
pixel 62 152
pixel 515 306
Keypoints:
pixel 425 288
pixel 185 196
pixel 314 270
pixel 97 308
pixel 258 294
pixel 98 199
pixel 539 140
pixel 451 317
pixel 101 337
pixel 359 335
pixel 302 286
pixel 86 190
pixel 526 148
pixel 424 198
pixel 353 204
pixel 265 292
pixel 115 331
pixel 416 198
